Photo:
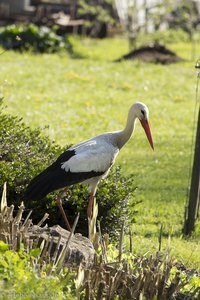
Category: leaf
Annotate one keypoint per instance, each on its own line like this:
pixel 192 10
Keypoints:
pixel 80 277
pixel 35 252
pixel 3 246
pixel 4 263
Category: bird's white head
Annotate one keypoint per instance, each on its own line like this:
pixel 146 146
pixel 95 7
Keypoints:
pixel 140 111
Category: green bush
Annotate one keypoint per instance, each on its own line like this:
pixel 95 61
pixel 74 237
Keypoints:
pixel 112 196
pixel 30 37
pixel 25 152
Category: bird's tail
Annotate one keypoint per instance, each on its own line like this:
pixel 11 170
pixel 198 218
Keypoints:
pixel 42 185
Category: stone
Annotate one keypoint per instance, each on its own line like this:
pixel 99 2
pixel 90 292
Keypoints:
pixel 52 239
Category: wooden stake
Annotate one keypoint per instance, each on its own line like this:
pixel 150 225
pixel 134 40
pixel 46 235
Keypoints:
pixel 193 206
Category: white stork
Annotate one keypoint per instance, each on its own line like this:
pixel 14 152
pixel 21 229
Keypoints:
pixel 87 162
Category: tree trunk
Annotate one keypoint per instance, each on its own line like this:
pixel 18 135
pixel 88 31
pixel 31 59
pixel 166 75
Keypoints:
pixel 73 10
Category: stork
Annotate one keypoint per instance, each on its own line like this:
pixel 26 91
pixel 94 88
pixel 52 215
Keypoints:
pixel 87 162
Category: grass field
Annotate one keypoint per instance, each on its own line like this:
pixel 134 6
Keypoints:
pixel 82 97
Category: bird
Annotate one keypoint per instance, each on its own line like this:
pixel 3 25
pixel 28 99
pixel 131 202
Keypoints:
pixel 87 162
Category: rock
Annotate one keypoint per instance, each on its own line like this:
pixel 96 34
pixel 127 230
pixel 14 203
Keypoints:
pixel 79 251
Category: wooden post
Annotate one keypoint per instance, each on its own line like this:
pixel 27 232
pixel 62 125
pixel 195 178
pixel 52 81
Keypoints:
pixel 194 199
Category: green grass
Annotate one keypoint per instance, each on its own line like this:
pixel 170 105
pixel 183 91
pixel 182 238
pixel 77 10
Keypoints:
pixel 80 98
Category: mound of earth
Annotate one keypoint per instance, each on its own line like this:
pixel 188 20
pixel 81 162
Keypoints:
pixel 152 53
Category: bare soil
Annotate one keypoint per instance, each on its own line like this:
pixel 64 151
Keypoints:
pixel 155 53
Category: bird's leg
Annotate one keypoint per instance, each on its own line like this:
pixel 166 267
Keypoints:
pixel 90 206
pixel 59 203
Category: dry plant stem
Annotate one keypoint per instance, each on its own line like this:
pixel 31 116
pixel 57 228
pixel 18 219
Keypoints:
pixel 121 241
pixel 160 237
pixel 102 243
pixel 27 218
pixel 43 219
pixel 131 240
pixel 61 257
pixel 19 213
pixel 59 203
pixel 54 260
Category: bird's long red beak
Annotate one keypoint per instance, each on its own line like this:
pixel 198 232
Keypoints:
pixel 145 125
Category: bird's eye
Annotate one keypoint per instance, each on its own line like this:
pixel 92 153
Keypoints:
pixel 142 111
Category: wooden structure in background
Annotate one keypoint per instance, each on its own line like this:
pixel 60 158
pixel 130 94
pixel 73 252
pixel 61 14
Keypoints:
pixel 43 12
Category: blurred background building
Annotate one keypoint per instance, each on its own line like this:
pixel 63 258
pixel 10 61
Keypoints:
pixel 98 17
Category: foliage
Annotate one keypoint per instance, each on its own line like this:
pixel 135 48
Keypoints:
pixel 23 37
pixel 163 37
pixel 97 14
pixel 112 197
pixel 26 152
pixel 24 275
pixel 96 10
pixel 20 149
pixel 185 16
pixel 22 278
pixel 181 16
pixel 153 17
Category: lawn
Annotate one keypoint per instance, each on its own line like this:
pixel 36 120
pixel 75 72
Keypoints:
pixel 77 98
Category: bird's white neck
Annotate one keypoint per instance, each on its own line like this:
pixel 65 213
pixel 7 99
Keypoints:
pixel 125 134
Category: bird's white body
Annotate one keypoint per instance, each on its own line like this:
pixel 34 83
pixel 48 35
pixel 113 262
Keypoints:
pixel 97 154
pixel 90 161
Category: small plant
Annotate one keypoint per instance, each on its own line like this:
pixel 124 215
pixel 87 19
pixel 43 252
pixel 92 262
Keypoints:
pixel 22 278
pixel 30 37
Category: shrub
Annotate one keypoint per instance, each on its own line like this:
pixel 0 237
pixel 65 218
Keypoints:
pixel 25 152
pixel 30 37
pixel 112 196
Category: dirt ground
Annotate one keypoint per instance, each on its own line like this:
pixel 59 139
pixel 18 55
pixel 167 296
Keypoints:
pixel 152 53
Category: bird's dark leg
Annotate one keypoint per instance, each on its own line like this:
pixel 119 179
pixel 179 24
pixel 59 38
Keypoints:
pixel 90 206
pixel 59 203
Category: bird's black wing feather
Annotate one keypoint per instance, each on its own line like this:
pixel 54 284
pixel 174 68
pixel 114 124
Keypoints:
pixel 54 178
